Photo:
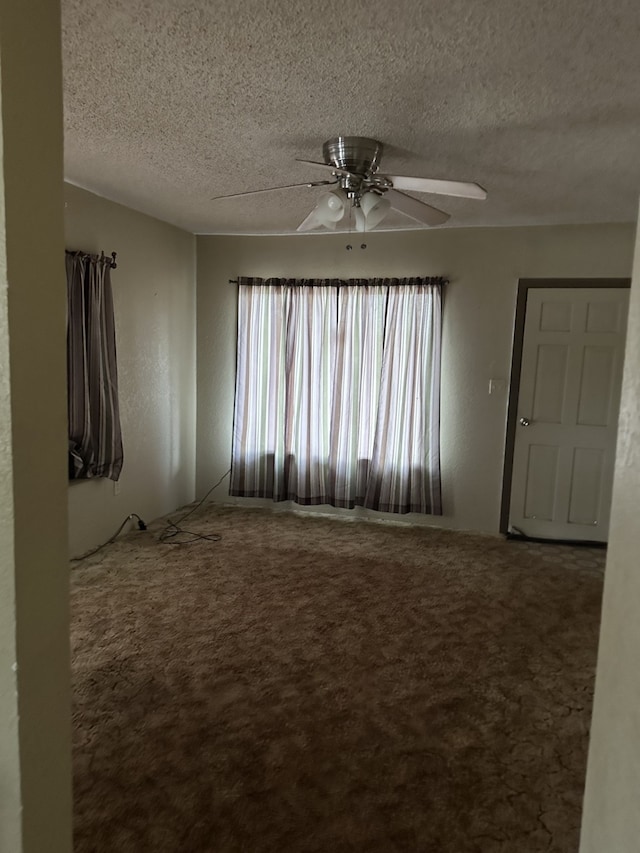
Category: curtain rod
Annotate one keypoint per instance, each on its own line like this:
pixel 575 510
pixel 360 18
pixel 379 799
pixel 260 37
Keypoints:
pixel 95 258
pixel 338 282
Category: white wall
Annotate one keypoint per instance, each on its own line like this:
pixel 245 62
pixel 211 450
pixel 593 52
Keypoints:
pixel 611 819
pixel 35 772
pixel 483 266
pixel 154 304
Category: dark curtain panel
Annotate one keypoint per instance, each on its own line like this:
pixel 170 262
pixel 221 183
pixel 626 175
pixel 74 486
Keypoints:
pixel 95 439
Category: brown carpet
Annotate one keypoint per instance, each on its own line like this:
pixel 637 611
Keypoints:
pixel 308 684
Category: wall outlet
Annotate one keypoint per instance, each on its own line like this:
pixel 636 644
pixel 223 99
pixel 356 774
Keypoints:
pixel 116 487
pixel 497 386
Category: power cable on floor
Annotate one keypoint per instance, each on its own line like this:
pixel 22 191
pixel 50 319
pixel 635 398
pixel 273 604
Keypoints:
pixel 173 529
pixel 141 526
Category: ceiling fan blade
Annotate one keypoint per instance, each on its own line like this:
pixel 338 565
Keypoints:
pixel 416 209
pixel 272 189
pixel 328 166
pixel 462 189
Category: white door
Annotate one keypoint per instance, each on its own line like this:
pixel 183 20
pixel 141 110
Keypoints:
pixel 567 412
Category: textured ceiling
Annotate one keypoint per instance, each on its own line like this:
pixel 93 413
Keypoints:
pixel 169 103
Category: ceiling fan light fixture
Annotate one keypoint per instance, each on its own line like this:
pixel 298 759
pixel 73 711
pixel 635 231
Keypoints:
pixel 374 207
pixel 331 208
pixel 310 222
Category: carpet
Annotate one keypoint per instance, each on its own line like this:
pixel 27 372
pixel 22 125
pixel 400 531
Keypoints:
pixel 308 684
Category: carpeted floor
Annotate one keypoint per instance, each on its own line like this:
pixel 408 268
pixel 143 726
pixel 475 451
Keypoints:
pixel 307 685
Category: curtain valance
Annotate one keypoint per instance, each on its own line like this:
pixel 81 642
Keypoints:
pixel 339 282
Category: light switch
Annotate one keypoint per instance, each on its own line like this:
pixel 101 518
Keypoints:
pixel 497 386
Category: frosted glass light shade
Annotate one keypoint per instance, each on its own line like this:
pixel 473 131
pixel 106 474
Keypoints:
pixel 375 207
pixel 361 224
pixel 309 223
pixel 331 208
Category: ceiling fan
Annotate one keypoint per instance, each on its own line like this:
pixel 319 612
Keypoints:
pixel 353 162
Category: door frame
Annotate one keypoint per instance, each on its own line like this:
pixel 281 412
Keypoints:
pixel 524 286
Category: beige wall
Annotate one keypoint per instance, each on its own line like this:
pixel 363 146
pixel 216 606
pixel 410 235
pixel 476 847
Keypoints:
pixel 611 820
pixel 35 778
pixel 483 266
pixel 154 304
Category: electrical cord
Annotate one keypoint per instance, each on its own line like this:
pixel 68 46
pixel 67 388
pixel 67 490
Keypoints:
pixel 141 526
pixel 173 528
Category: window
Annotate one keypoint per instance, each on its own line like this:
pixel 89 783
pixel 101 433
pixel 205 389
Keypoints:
pixel 338 393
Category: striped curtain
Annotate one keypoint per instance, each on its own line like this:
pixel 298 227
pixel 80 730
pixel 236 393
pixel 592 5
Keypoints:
pixel 405 462
pixel 95 438
pixel 337 393
pixel 356 387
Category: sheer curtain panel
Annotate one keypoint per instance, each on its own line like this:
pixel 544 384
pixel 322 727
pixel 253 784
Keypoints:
pixel 337 393
pixel 95 438
pixel 405 463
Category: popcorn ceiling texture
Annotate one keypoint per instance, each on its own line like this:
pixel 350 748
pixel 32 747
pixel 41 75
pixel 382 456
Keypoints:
pixel 170 103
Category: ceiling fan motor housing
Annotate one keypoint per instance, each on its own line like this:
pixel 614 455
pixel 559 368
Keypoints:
pixel 357 154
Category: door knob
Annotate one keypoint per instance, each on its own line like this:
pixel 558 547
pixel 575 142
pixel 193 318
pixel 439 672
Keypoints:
pixel 525 421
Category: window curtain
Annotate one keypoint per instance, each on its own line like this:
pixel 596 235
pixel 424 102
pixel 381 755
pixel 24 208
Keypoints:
pixel 95 438
pixel 337 393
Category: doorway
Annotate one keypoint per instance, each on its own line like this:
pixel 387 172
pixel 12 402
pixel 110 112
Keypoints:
pixel 563 408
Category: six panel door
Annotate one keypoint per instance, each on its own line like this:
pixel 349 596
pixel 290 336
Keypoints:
pixel 567 412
